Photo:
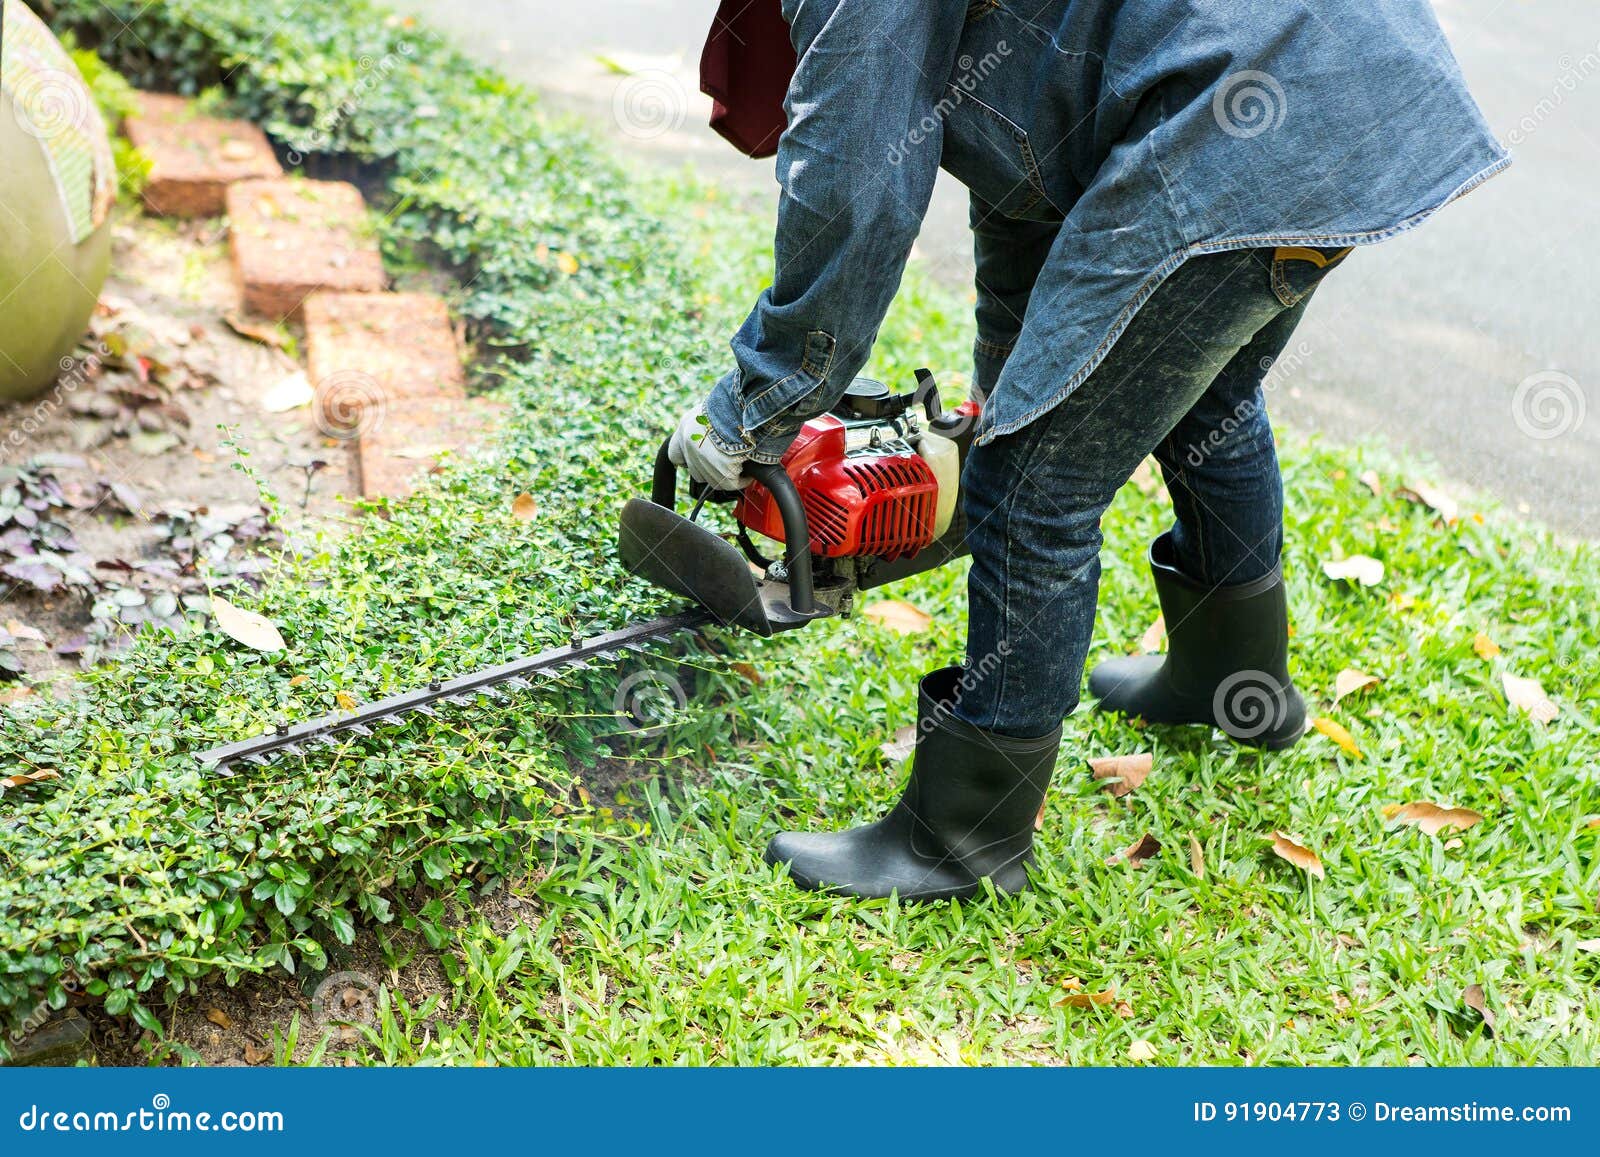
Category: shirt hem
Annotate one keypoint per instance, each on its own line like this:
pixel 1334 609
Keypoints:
pixel 1167 267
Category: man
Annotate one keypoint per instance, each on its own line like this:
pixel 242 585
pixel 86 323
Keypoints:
pixel 1158 187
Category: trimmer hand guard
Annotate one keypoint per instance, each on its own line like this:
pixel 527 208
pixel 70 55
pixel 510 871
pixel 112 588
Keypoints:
pixel 667 550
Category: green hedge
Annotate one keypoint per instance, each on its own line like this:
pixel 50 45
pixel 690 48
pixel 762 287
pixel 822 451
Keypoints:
pixel 134 871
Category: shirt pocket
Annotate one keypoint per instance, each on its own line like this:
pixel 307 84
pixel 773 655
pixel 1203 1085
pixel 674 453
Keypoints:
pixel 991 155
pixel 1297 270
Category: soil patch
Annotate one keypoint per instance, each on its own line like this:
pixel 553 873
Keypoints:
pixel 136 482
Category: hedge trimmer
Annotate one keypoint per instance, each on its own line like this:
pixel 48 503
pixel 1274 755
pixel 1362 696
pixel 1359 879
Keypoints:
pixel 868 493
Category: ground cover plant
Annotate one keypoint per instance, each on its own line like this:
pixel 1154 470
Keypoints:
pixel 1231 908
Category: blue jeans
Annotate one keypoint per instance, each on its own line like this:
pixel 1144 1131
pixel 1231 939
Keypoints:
pixel 1183 382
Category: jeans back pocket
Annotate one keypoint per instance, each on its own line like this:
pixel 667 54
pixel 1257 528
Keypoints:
pixel 1297 270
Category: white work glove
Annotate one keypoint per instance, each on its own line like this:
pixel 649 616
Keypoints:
pixel 692 449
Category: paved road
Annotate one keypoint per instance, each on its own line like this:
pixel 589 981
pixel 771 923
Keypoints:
pixel 1475 339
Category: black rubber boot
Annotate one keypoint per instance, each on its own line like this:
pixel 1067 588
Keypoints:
pixel 967 813
pixel 1227 660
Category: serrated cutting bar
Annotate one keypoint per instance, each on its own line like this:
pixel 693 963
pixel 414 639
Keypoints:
pixel 576 655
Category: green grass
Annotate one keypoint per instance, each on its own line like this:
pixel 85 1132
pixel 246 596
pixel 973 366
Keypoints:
pixel 657 935
pixel 651 930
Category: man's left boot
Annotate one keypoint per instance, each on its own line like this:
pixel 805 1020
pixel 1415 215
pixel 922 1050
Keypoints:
pixel 967 814
pixel 1227 660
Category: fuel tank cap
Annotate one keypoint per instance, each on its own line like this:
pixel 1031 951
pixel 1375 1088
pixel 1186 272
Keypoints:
pixel 864 398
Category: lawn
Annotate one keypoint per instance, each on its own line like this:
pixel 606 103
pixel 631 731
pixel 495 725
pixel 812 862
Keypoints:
pixel 674 944
pixel 649 931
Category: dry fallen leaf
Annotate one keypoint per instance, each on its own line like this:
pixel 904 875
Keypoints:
pixel 20 630
pixel 1527 696
pixel 1433 819
pixel 247 627
pixel 1472 996
pixel 254 1054
pixel 1349 681
pixel 1338 734
pixel 257 331
pixel 345 700
pixel 1358 568
pixel 747 672
pixel 1370 479
pixel 524 508
pixel 299 680
pixel 1588 945
pixel 1150 641
pixel 1433 498
pixel 1197 857
pixel 902 618
pixel 219 1018
pixel 288 393
pixel 1136 853
pixel 1486 647
pixel 1124 772
pixel 22 778
pixel 1078 999
pixel 1297 854
pixel 1141 1050
pixel 902 745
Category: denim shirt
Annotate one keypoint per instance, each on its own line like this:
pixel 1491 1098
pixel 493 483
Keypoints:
pixel 1104 142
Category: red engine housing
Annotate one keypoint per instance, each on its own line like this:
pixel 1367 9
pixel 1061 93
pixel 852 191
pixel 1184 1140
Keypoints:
pixel 870 504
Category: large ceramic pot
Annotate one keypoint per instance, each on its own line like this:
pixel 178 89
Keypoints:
pixel 56 187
